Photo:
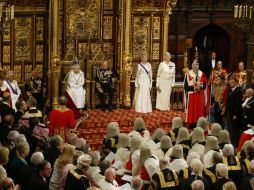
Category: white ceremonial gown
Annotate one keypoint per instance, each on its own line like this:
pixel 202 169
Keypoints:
pixel 14 90
pixel 75 88
pixel 165 81
pixel 143 84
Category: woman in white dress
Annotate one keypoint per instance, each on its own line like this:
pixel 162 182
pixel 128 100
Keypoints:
pixel 75 81
pixel 164 83
pixel 13 87
pixel 143 84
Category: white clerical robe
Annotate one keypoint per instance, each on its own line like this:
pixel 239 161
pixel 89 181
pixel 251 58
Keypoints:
pixel 143 84
pixel 105 185
pixel 75 89
pixel 164 83
pixel 14 90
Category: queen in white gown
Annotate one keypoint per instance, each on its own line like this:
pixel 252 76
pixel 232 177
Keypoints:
pixel 164 83
pixel 143 84
pixel 13 87
pixel 75 81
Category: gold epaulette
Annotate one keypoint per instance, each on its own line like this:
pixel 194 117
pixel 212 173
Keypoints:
pixel 163 183
pixel 247 163
pixel 185 173
pixel 113 143
pixel 185 146
pixel 38 114
pixel 76 175
pixel 210 174
pixel 173 136
pixel 232 168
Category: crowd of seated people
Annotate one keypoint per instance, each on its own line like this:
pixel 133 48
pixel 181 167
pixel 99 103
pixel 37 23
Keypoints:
pixel 39 156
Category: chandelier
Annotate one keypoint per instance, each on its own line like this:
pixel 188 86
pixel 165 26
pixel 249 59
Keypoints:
pixel 6 16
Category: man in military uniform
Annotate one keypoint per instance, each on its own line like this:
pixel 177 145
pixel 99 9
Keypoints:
pixel 75 178
pixel 35 86
pixel 241 75
pixel 104 85
pixel 165 179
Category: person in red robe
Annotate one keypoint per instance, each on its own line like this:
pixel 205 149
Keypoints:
pixel 197 101
pixel 61 120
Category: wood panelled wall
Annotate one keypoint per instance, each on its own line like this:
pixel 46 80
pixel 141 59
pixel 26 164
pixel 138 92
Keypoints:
pixel 23 43
pixel 191 16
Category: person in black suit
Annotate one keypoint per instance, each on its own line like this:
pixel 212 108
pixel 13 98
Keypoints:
pixel 21 109
pixel 245 181
pixel 222 176
pixel 5 127
pixel 248 109
pixel 38 181
pixel 210 64
pixel 197 169
pixel 234 110
pixel 5 108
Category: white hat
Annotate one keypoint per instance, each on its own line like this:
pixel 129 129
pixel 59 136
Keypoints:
pixel 84 160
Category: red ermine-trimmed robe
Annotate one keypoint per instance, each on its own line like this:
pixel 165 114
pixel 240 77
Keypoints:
pixel 197 102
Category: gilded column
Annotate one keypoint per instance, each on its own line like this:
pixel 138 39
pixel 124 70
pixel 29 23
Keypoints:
pixel 169 4
pixel 127 55
pixel 165 30
pixel 55 67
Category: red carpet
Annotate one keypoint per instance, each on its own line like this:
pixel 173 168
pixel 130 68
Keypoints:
pixel 94 127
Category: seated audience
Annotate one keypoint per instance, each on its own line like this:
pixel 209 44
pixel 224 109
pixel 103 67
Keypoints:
pixel 4 158
pixel 177 123
pixel 66 157
pixel 5 106
pixel 229 186
pixel 232 162
pixel 56 145
pixel 109 183
pixel 38 180
pixel 30 169
pixel 177 161
pixel 183 139
pixel 140 130
pixel 222 176
pixel 76 179
pixel 8 184
pixel 245 183
pixel 21 109
pixel 197 185
pixel 19 160
pixel 196 174
pixel 111 140
pixel 32 109
pixel 6 127
pixel 165 178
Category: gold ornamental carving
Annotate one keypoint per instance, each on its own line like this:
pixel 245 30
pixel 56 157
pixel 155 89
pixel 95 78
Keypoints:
pixel 140 35
pixel 39 53
pixel 83 20
pixel 127 79
pixel 23 39
pixel 6 54
pixel 107 27
pixel 156 28
pixel 39 28
pixel 17 73
pixel 28 70
pixel 108 4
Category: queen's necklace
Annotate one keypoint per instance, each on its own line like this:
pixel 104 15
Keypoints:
pixel 76 78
